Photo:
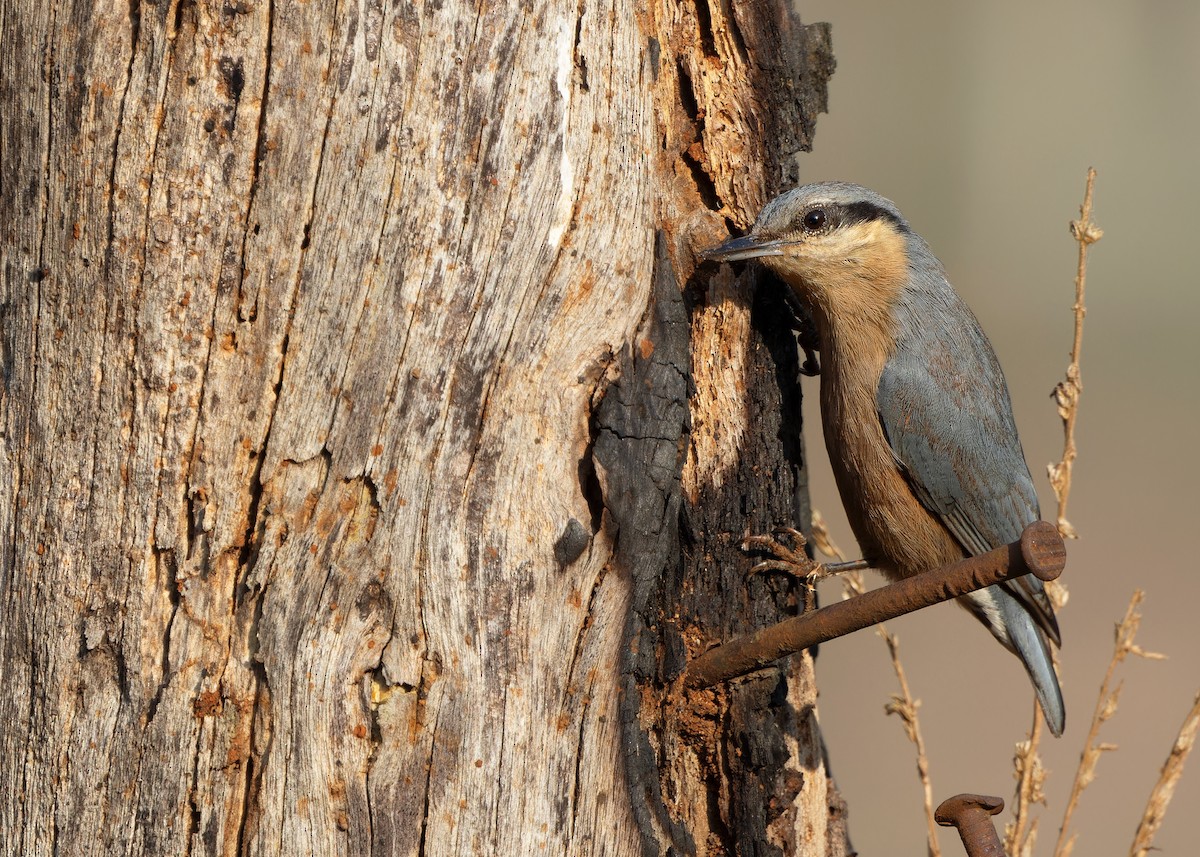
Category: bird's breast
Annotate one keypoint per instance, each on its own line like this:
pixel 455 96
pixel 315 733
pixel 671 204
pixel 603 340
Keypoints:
pixel 896 533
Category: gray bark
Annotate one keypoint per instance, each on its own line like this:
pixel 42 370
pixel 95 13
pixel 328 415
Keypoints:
pixel 308 309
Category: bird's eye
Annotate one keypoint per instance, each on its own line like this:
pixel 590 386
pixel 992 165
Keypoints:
pixel 814 220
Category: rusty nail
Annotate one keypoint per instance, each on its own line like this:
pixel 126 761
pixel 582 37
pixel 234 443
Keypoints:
pixel 1039 551
pixel 972 815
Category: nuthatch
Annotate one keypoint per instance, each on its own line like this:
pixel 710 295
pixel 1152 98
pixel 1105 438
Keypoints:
pixel 914 406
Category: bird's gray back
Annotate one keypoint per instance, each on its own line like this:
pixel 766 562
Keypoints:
pixel 946 412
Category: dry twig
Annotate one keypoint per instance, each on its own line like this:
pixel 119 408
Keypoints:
pixel 1066 397
pixel 1164 789
pixel 1020 834
pixel 821 539
pixel 1106 706
pixel 1067 392
pixel 903 704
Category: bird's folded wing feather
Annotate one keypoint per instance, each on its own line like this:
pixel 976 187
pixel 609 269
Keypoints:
pixel 946 415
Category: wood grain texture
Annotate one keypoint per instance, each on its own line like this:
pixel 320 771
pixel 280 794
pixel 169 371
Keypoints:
pixel 306 311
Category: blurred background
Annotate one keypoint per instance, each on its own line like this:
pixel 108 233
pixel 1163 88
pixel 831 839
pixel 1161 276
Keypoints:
pixel 980 120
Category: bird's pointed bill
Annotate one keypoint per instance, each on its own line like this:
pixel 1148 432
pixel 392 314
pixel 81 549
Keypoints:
pixel 746 247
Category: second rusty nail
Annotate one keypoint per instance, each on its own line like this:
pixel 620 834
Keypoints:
pixel 972 815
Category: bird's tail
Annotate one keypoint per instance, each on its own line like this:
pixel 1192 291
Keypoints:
pixel 1019 633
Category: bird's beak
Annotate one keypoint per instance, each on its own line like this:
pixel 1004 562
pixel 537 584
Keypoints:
pixel 746 247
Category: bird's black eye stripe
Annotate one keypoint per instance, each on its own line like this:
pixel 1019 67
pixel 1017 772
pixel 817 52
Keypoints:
pixel 827 217
pixel 866 212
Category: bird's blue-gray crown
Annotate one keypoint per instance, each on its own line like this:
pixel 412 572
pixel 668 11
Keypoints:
pixel 842 202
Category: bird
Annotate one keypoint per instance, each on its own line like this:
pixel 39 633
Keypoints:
pixel 915 410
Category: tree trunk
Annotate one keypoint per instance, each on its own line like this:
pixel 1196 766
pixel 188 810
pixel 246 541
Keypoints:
pixel 368 429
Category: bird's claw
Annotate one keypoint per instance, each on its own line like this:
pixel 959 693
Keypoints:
pixel 806 334
pixel 811 367
pixel 790 561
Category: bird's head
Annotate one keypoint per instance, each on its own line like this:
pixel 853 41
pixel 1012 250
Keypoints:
pixel 844 249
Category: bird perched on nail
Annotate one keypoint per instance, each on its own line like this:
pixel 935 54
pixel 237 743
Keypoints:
pixel 915 409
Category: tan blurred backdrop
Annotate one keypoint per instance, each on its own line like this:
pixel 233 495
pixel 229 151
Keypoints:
pixel 980 121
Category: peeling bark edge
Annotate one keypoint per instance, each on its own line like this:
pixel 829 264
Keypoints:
pixel 641 428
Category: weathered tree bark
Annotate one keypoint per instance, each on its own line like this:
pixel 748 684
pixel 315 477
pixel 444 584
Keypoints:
pixel 360 441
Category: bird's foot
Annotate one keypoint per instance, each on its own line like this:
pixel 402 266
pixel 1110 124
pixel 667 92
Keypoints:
pixel 791 561
pixel 795 562
pixel 810 343
pixel 801 322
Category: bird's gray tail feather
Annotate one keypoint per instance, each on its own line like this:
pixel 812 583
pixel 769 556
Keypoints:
pixel 1029 644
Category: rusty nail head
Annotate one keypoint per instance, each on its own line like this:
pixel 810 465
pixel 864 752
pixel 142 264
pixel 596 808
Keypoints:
pixel 1043 550
pixel 972 815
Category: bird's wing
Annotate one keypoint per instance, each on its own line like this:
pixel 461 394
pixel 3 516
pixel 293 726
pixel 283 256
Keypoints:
pixel 946 415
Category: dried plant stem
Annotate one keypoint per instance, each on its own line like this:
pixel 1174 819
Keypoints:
pixel 1106 706
pixel 1020 834
pixel 1067 392
pixel 822 541
pixel 902 704
pixel 1164 789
